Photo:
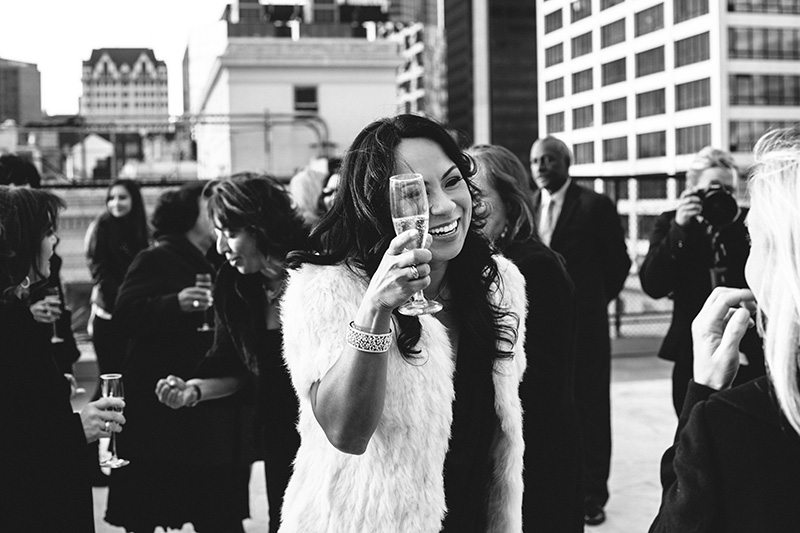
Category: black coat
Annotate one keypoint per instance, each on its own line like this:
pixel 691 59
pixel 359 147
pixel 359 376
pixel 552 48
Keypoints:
pixel 589 236
pixel 552 500
pixel 734 467
pixel 677 265
pixel 164 340
pixel 110 249
pixel 44 474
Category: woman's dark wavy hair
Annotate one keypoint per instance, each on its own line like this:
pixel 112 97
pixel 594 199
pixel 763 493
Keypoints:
pixel 177 210
pixel 261 206
pixel 358 228
pixel 135 222
pixel 26 217
pixel 506 173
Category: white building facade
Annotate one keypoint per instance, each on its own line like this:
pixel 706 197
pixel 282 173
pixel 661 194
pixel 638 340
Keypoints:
pixel 636 88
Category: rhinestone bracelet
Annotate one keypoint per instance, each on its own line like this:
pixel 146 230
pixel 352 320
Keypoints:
pixel 368 342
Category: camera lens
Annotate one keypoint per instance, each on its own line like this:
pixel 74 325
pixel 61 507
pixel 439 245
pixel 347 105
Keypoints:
pixel 719 206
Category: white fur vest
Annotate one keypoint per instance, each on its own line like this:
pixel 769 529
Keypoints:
pixel 397 484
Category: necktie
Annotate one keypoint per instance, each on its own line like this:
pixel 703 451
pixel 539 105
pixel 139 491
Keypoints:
pixel 547 223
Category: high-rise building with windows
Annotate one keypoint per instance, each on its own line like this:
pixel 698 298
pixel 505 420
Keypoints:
pixel 635 88
pixel 20 92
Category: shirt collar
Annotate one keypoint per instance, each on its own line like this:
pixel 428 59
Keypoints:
pixel 558 196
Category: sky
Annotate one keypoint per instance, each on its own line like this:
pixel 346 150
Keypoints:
pixel 58 35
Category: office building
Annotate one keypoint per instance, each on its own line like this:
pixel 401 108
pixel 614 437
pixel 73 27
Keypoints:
pixel 20 92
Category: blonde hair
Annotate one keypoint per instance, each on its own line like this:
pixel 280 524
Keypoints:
pixel 774 221
pixel 710 157
pixel 305 187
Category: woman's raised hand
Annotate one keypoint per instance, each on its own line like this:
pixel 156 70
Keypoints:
pixel 46 310
pixel 193 299
pixel 403 271
pixel 716 332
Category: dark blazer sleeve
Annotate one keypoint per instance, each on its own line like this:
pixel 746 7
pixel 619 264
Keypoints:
pixel 687 475
pixel 617 262
pixel 142 305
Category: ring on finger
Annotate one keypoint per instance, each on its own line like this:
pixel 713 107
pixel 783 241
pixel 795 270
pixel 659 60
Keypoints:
pixel 195 303
pixel 107 426
pixel 414 272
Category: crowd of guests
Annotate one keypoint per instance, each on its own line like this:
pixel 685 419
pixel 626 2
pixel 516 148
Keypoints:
pixel 491 415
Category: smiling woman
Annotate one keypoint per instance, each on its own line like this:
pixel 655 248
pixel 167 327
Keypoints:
pixel 384 445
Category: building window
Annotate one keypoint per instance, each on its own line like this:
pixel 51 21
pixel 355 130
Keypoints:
pixel 617 189
pixel 693 94
pixel 691 50
pixel 645 224
pixel 583 152
pixel 580 9
pixel 650 61
pixel 615 110
pixel 651 19
pixel 652 188
pixel 605 4
pixel 305 99
pixel 552 21
pixel 745 133
pixel 582 81
pixel 612 33
pixel 554 55
pixel 554 89
pixel 651 144
pixel 583 117
pixel 582 44
pixel 764 43
pixel 555 122
pixel 692 139
pixel 689 9
pixel 613 72
pixel 650 103
pixel 615 149
pixel 747 89
pixel 786 7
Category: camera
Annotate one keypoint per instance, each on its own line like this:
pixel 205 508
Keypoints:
pixel 719 205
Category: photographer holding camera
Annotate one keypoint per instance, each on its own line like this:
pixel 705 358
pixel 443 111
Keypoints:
pixel 701 245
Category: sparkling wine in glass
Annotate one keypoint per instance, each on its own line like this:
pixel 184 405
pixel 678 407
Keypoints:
pixel 53 300
pixel 111 387
pixel 203 281
pixel 408 202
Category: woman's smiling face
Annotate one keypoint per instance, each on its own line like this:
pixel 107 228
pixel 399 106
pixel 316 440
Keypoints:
pixel 449 200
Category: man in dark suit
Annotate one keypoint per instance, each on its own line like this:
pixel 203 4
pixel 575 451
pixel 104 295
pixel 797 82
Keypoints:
pixel 585 229
pixel 691 252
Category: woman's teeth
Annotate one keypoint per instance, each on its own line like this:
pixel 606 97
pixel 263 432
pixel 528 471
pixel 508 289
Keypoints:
pixel 444 230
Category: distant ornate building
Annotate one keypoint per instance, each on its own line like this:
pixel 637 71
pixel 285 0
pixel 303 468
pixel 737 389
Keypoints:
pixel 124 85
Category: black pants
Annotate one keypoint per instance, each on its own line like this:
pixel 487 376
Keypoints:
pixel 593 400
pixel 280 448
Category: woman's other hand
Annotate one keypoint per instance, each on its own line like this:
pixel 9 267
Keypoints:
pixel 47 310
pixel 102 418
pixel 689 207
pixel 193 299
pixel 174 392
pixel 403 271
pixel 716 332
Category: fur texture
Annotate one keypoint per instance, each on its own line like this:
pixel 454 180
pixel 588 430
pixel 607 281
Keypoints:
pixel 397 484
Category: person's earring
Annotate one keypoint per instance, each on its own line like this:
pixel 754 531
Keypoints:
pixel 503 233
pixel 26 283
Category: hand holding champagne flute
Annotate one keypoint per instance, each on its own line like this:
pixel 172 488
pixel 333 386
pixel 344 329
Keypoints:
pixel 111 387
pixel 408 202
pixel 203 281
pixel 52 300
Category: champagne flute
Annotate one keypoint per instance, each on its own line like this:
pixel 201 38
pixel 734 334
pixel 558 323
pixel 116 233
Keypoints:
pixel 203 281
pixel 408 203
pixel 53 300
pixel 111 387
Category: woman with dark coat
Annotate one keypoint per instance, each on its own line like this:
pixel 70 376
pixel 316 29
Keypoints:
pixel 735 463
pixel 552 500
pixel 112 241
pixel 43 452
pixel 188 465
pixel 256 226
